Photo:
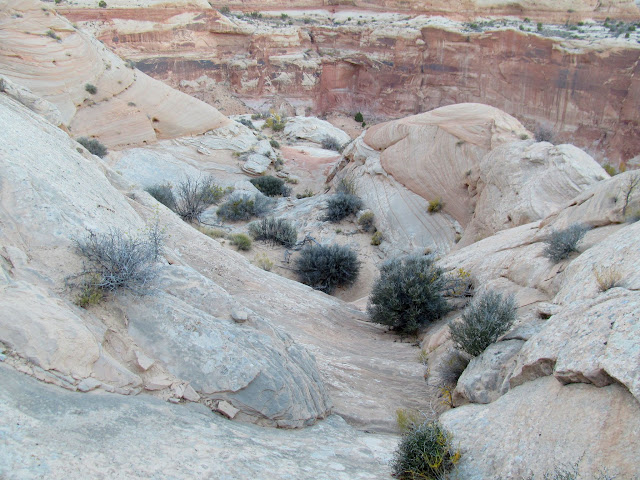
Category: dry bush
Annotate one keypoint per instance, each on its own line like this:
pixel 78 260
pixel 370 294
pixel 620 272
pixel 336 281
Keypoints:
pixel 607 277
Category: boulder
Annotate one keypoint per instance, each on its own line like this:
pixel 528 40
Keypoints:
pixel 314 129
pixel 256 164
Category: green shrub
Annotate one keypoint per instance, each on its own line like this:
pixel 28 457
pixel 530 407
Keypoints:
pixel 483 321
pixel 425 452
pixel 244 206
pixel 194 196
pixel 275 122
pixel 93 145
pixel 274 143
pixel 342 205
pixel 54 35
pixel 539 26
pixel 435 205
pixel 376 238
pixel 331 143
pixel 359 118
pixel 163 194
pixel 275 230
pixel 90 88
pixel 562 243
pixel 102 4
pixel 263 261
pixel 240 240
pixel 247 123
pixel 408 294
pixel 117 260
pixel 90 294
pixel 306 194
pixel 270 186
pixel 610 169
pixel 327 267
pixel 367 221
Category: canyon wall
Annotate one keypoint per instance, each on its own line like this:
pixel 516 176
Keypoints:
pixel 587 92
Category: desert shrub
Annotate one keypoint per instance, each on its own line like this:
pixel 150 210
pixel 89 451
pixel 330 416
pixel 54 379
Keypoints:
pixel 117 260
pixel 607 277
pixel 275 230
pixel 544 134
pixel 325 267
pixel 358 117
pixel 163 194
pixel 367 221
pixel 483 321
pixel 435 205
pixel 247 123
pixel 406 419
pixel 241 241
pixel 331 143
pixel 102 4
pixel 270 186
pixel 90 88
pixel 245 206
pixel 275 122
pixel 425 452
pixel 563 242
pixel 610 169
pixel 523 136
pixel 212 232
pixel 93 145
pixel 54 35
pixel 90 294
pixel 274 143
pixel 263 261
pixel 376 238
pixel 195 195
pixel 408 294
pixel 342 205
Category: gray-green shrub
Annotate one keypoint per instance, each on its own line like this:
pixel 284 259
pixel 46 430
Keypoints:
pixel 93 145
pixel 245 206
pixel 241 241
pixel 274 230
pixel 560 244
pixel 483 321
pixel 331 143
pixel 194 196
pixel 163 194
pixel 326 267
pixel 425 452
pixel 342 205
pixel 408 294
pixel 271 186
pixel 91 88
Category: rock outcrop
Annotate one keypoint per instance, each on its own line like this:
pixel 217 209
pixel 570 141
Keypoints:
pixel 392 66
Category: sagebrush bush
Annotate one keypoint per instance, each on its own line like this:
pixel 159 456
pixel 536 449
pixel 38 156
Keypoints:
pixel 163 194
pixel 241 241
pixel 117 260
pixel 270 186
pixel 274 230
pixel 326 267
pixel 562 243
pixel 544 134
pixel 331 143
pixel 93 145
pixel 483 321
pixel 425 452
pixel 194 196
pixel 245 206
pixel 342 205
pixel 247 123
pixel 408 294
pixel 376 238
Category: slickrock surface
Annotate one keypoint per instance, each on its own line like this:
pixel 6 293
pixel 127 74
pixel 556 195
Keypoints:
pixel 43 52
pixel 48 432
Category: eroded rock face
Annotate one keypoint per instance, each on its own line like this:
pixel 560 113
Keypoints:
pixel 542 425
pixel 398 67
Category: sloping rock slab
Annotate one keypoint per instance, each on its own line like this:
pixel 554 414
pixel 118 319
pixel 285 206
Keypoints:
pixel 541 425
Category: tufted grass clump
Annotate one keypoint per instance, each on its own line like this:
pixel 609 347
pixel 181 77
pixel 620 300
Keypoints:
pixel 326 267
pixel 163 194
pixel 483 321
pixel 263 261
pixel 425 452
pixel 408 294
pixel 241 241
pixel 93 145
pixel 271 186
pixel 607 277
pixel 342 205
pixel 560 244
pixel 275 230
pixel 245 206
pixel 435 205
